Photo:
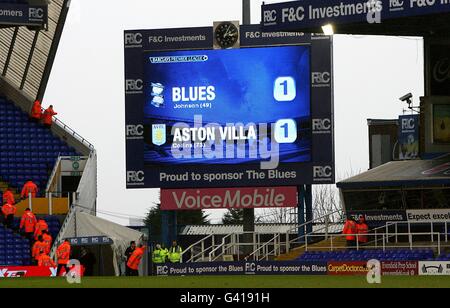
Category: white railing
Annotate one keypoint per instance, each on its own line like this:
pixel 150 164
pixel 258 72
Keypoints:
pixel 49 196
pixel 410 225
pixel 73 133
pixel 410 244
pixel 324 231
pixel 238 245
pixel 203 245
pixel 272 248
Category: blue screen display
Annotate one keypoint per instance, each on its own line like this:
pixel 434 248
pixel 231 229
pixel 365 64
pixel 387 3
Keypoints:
pixel 238 106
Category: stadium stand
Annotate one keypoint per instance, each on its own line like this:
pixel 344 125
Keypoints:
pixel 366 255
pixel 27 150
pixel 14 250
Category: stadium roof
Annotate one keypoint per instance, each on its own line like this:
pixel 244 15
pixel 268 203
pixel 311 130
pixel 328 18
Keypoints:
pixel 259 228
pixel 414 173
pixel 26 56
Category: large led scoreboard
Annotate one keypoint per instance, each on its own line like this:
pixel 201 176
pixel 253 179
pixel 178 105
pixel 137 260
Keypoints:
pixel 259 115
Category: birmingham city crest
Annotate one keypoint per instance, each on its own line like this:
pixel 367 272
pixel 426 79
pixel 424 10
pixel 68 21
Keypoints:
pixel 158 95
pixel 159 134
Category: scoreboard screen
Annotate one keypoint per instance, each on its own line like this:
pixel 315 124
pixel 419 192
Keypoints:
pixel 237 106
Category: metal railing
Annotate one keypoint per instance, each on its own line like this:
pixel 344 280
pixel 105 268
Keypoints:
pixel 203 246
pixel 239 246
pixel 382 237
pixel 49 196
pixel 71 131
pixel 264 252
pixel 411 225
pixel 324 231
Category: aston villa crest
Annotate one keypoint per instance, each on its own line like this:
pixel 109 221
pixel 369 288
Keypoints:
pixel 159 134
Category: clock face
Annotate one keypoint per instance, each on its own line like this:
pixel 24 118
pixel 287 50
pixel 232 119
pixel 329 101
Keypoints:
pixel 226 35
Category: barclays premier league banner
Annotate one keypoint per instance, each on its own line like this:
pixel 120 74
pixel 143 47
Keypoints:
pixel 198 117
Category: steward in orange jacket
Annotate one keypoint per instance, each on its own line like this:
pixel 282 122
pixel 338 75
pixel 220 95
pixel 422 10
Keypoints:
pixel 363 230
pixel 29 187
pixel 350 229
pixel 40 227
pixel 63 256
pixel 8 211
pixel 36 111
pixel 45 260
pixel 135 260
pixel 38 248
pixel 47 240
pixel 9 197
pixel 28 224
pixel 47 116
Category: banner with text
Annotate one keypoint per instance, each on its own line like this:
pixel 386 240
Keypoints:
pixel 23 14
pixel 242 268
pixel 312 14
pixel 228 198
pixel 27 271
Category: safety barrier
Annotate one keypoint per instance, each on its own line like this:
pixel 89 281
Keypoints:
pixel 375 244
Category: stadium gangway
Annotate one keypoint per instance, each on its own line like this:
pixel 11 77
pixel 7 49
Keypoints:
pixel 204 245
pixel 214 247
pixel 270 248
pixel 235 244
pixel 374 245
pixel 324 231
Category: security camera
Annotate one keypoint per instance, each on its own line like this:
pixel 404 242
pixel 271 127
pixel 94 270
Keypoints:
pixel 406 97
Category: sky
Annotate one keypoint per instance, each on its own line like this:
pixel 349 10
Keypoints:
pixel 86 85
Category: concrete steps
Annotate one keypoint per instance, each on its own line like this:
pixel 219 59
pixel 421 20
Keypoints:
pixel 319 246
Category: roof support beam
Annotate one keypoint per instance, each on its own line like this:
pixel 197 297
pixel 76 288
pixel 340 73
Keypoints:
pixel 11 49
pixel 30 57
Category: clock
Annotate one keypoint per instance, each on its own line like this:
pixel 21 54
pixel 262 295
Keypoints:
pixel 226 34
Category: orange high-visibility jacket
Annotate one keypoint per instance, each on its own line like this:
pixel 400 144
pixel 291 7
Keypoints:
pixel 40 226
pixel 29 187
pixel 9 197
pixel 350 229
pixel 37 248
pixel 47 116
pixel 36 110
pixel 8 209
pixel 45 260
pixel 63 253
pixel 28 221
pixel 363 229
pixel 47 238
pixel 136 258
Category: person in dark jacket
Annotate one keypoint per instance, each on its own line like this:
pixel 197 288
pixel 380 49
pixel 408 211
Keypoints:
pixel 128 254
pixel 88 260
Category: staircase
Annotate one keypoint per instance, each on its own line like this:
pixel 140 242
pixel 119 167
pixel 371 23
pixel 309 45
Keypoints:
pixel 29 151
